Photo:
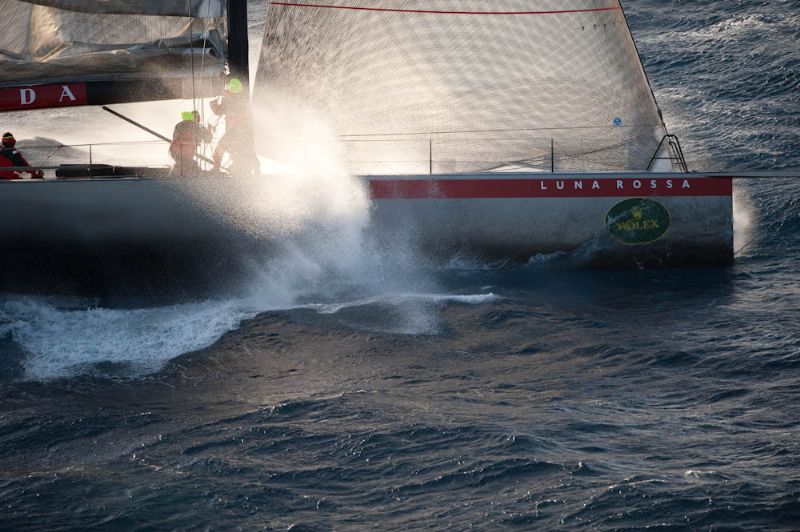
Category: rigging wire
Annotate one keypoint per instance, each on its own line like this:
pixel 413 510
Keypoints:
pixel 745 246
pixel 53 152
pixel 202 71
pixel 191 58
pixel 191 51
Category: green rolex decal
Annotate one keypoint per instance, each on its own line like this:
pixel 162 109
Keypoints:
pixel 638 221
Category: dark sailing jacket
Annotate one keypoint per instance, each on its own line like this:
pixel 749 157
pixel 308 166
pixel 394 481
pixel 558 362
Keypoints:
pixel 186 136
pixel 10 157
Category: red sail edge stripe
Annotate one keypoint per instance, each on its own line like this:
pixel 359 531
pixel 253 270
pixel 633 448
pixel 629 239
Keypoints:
pixel 435 12
pixel 601 187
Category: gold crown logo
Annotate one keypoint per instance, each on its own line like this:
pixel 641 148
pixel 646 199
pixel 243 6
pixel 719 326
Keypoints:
pixel 636 212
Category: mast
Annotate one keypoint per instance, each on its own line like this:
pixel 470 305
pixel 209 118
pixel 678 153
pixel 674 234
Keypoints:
pixel 238 46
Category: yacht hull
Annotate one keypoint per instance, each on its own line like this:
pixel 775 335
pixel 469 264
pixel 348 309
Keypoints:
pixel 602 219
pixel 136 236
pixel 127 238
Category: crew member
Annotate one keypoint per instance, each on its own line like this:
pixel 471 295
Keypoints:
pixel 11 157
pixel 237 141
pixel 186 138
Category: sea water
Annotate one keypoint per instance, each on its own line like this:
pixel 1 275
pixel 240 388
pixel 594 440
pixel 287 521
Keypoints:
pixel 353 389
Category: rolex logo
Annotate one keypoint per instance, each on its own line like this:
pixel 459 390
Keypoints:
pixel 638 221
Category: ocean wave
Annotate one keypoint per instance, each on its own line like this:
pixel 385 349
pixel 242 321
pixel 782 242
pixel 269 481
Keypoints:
pixel 65 342
pixel 399 299
pixel 59 338
pixel 744 26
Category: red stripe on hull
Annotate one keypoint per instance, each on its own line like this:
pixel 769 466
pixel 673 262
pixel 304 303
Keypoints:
pixel 43 96
pixel 548 188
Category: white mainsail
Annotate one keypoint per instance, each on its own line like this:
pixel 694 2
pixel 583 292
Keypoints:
pixel 55 41
pixel 181 8
pixel 465 85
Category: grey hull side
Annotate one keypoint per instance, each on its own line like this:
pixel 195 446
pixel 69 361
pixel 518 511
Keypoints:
pixel 147 237
pixel 126 238
pixel 701 230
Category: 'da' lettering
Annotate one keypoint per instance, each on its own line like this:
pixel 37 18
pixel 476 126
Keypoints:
pixel 27 96
pixel 66 92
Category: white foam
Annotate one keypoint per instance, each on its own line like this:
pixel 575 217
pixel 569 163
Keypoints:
pixel 400 299
pixel 476 299
pixel 736 27
pixel 739 25
pixel 744 215
pixel 407 314
pixel 62 342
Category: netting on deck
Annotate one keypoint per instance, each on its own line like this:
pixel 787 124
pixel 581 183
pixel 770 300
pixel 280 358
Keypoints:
pixel 464 85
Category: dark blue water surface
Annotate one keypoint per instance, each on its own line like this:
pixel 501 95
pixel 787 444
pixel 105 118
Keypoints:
pixel 522 397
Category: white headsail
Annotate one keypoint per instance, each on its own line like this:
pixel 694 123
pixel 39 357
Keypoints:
pixel 468 84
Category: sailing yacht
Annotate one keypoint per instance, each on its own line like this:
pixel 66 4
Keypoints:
pixel 528 127
pixel 504 129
